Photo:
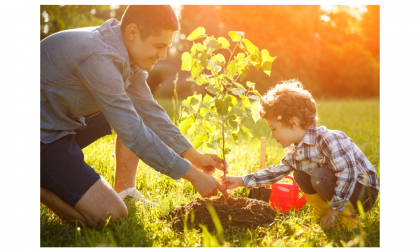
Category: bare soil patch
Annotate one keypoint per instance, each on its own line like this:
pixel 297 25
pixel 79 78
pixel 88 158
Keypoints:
pixel 238 212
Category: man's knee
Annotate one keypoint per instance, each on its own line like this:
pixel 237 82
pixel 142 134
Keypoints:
pixel 99 203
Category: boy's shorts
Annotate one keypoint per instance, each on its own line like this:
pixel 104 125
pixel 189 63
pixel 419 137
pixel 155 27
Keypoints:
pixel 63 169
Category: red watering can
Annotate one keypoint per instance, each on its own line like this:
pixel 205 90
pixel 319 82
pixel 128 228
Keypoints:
pixel 285 196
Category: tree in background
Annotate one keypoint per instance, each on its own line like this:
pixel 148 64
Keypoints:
pixel 55 18
pixel 332 52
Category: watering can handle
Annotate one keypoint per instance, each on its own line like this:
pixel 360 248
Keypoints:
pixel 292 179
pixel 302 199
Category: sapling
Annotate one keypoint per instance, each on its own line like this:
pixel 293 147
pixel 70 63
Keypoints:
pixel 218 117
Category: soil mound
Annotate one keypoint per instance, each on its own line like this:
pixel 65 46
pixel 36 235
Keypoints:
pixel 243 212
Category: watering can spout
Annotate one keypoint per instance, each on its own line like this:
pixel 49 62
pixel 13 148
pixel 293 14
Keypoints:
pixel 301 201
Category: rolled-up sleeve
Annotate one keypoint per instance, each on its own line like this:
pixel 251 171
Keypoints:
pixel 268 176
pixel 102 75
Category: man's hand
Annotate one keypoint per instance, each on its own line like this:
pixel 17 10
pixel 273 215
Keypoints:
pixel 204 161
pixel 205 185
pixel 328 220
pixel 231 181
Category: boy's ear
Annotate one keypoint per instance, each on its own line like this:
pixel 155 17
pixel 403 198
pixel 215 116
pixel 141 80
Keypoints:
pixel 295 122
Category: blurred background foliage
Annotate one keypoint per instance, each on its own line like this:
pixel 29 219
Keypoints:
pixel 332 50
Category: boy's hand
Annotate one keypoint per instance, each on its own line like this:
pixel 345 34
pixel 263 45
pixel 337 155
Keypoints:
pixel 231 182
pixel 328 220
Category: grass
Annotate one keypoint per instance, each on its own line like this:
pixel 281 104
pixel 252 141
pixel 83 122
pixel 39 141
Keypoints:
pixel 359 119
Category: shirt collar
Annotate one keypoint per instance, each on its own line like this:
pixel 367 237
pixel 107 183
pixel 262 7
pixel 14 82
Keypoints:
pixel 309 138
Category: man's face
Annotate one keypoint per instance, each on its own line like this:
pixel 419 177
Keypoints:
pixel 146 53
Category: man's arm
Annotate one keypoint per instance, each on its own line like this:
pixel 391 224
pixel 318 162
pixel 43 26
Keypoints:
pixel 102 75
pixel 155 118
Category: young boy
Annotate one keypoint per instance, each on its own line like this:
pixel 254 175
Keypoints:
pixel 329 168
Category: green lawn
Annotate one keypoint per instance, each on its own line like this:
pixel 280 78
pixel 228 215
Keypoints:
pixel 359 119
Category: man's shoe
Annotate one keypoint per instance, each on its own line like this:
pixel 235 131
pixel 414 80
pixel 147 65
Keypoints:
pixel 134 195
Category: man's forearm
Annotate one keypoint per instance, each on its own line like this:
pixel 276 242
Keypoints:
pixel 190 154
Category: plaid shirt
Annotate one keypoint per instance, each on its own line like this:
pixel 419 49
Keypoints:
pixel 322 148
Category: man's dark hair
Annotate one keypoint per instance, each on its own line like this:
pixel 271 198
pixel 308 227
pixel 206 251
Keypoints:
pixel 150 19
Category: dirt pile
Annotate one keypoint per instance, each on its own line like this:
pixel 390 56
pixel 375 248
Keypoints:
pixel 243 212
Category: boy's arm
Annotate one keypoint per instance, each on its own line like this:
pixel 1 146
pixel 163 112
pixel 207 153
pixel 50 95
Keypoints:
pixel 339 151
pixel 268 176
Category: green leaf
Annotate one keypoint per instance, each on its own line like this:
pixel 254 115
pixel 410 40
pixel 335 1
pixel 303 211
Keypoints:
pixel 232 70
pixel 235 137
pixel 186 124
pixel 212 90
pixel 256 93
pixel 207 126
pixel 213 66
pixel 219 59
pixel 239 85
pixel 266 62
pixel 203 79
pixel 214 143
pixel 249 47
pixel 200 32
pixel 203 112
pixel 237 91
pixel 232 123
pixel 187 61
pixel 222 106
pixel 233 101
pixel 210 145
pixel 265 56
pixel 213 44
pixel 246 130
pixel 254 109
pixel 200 139
pixel 266 67
pixel 228 150
pixel 196 70
pixel 224 42
pixel 236 36
pixel 250 84
pixel 207 98
pixel 254 97
pixel 195 102
pixel 240 56
pixel 244 73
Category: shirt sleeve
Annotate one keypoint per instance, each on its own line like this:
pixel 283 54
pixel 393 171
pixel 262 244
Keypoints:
pixel 268 176
pixel 340 152
pixel 102 75
pixel 154 116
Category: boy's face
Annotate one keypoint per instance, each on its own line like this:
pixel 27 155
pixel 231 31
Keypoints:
pixel 146 53
pixel 285 135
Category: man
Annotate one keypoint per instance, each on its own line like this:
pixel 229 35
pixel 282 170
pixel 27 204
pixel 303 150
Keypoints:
pixel 93 79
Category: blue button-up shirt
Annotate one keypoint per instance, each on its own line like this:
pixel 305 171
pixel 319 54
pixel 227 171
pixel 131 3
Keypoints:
pixel 85 71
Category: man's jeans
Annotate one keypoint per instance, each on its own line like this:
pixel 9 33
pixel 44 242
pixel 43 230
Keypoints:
pixel 323 181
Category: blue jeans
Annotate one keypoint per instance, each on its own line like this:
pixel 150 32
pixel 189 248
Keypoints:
pixel 323 181
pixel 63 169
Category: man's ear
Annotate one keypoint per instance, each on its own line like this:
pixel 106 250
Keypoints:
pixel 132 31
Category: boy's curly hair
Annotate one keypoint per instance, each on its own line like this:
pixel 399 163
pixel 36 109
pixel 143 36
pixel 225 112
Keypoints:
pixel 289 99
